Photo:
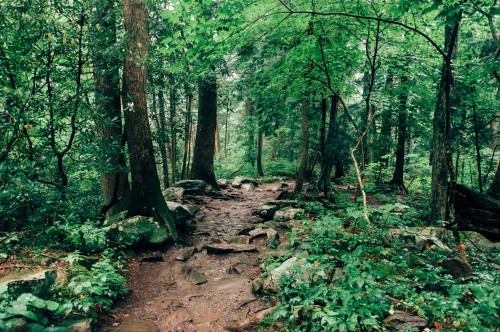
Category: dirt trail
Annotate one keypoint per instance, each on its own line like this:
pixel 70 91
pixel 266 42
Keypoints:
pixel 164 291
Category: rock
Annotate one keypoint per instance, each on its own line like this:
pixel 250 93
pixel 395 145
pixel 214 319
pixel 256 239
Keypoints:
pixel 237 268
pixel 402 321
pixel 182 212
pixel 178 316
pixel 138 326
pixel 272 235
pixel 258 190
pixel 249 322
pixel 269 284
pixel 248 186
pixel 269 207
pixel 288 213
pixel 226 248
pixel 193 276
pixel 159 303
pixel 241 239
pixel 475 239
pixel 15 325
pixel 192 184
pixel 186 253
pixel 173 194
pixel 37 283
pixel 223 183
pixel 239 180
pixel 457 267
pixel 137 230
pixel 85 325
pixel 422 237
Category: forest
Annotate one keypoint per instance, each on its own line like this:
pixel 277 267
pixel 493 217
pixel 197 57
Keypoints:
pixel 249 165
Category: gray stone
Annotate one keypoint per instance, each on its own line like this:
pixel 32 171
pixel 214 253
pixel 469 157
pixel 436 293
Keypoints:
pixel 239 180
pixel 269 207
pixel 186 253
pixel 401 321
pixel 223 183
pixel 241 239
pixel 136 230
pixel 138 326
pixel 15 325
pixel 226 248
pixel 173 194
pixel 182 212
pixel 271 234
pixel 237 268
pixel 192 184
pixel 248 187
pixel 178 316
pixel 457 267
pixel 37 283
pixel 249 322
pixel 288 213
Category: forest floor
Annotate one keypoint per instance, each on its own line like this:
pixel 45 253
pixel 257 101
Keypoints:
pixel 207 292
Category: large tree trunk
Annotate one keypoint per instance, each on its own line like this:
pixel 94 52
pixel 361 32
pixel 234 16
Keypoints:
pixel 108 118
pixel 398 176
pixel 299 183
pixel 146 198
pixel 441 150
pixel 477 212
pixel 204 147
pixel 325 178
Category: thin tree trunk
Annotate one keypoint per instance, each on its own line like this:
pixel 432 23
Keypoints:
pixel 330 154
pixel 322 133
pixel 204 147
pixel 299 183
pixel 398 176
pixel 146 198
pixel 478 149
pixel 173 135
pixel 162 138
pixel 187 135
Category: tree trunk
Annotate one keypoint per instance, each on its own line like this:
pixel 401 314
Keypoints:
pixel 322 133
pixel 187 135
pixel 162 138
pixel 173 135
pixel 441 150
pixel 114 177
pixel 260 172
pixel 398 176
pixel 299 183
pixel 204 147
pixel 325 177
pixel 146 198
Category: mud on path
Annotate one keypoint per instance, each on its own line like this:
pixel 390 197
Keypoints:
pixel 209 290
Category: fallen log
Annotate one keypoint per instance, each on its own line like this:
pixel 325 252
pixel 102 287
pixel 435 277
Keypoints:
pixel 477 212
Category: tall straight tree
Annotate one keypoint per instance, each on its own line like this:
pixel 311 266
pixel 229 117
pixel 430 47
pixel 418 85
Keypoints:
pixel 146 197
pixel 204 145
pixel 299 183
pixel 114 178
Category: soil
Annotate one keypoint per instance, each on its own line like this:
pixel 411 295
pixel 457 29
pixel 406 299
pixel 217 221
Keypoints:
pixel 209 291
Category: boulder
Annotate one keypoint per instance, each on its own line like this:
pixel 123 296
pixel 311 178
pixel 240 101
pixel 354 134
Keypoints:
pixel 137 230
pixel 182 212
pixel 85 325
pixel 15 325
pixel 269 207
pixel 271 234
pixel 138 326
pixel 239 180
pixel 37 283
pixel 237 268
pixel 248 323
pixel 456 267
pixel 421 237
pixel 192 185
pixel 240 239
pixel 223 183
pixel 288 213
pixel 178 316
pixel 401 321
pixel 248 187
pixel 173 194
pixel 269 284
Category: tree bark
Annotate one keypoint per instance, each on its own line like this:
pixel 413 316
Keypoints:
pixel 162 137
pixel 398 176
pixel 146 198
pixel 260 172
pixel 330 154
pixel 441 150
pixel 173 135
pixel 299 183
pixel 203 154
pixel 114 176
pixel 187 134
